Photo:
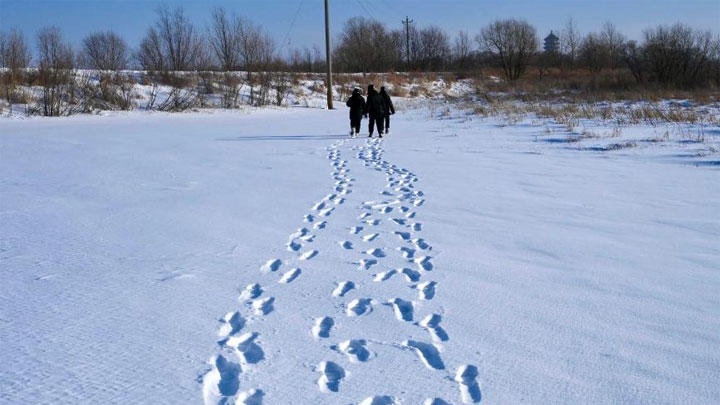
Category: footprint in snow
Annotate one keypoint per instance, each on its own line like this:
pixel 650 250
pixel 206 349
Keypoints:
pixel 436 401
pixel 384 275
pixel 407 252
pixel 411 275
pixel 322 327
pixel 355 350
pixel 378 400
pixel 319 206
pixel 429 354
pixel 263 306
pixel 426 290
pixel 359 306
pixel 231 324
pixel 365 264
pixel 330 377
pixel 432 324
pixel 469 388
pixel 308 255
pixel 320 225
pixel 271 265
pixel 250 292
pixel 376 252
pixel 247 350
pixel 289 276
pixel 373 222
pixel 371 237
pixel 293 246
pixel 221 381
pixel 416 227
pixel 403 309
pixel 346 244
pixel 421 244
pixel 403 235
pixel 308 218
pixel 424 263
pixel 355 230
pixel 343 288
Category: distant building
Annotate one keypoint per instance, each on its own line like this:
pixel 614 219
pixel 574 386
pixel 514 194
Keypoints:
pixel 552 43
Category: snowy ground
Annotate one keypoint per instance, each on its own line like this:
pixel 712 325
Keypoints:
pixel 558 274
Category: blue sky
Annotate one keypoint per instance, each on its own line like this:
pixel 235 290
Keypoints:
pixel 130 18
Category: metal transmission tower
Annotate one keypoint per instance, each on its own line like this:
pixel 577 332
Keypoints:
pixel 328 56
pixel 407 23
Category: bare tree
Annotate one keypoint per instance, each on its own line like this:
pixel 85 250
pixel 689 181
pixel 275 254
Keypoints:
pixel 570 42
pixel 594 52
pixel 462 49
pixel 365 45
pixel 104 51
pixel 511 43
pixel 14 51
pixel 172 44
pixel 222 36
pixel 433 49
pixel 614 41
pixel 55 59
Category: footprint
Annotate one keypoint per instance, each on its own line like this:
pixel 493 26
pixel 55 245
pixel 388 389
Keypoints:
pixel 271 265
pixel 326 212
pixel 232 323
pixel 247 350
pixel 376 252
pixel 402 235
pixel 373 222
pixel 356 230
pixel 289 276
pixel 322 327
pixel 320 225
pixel 359 306
pixel 364 215
pixel 310 254
pixel 417 227
pixel 419 202
pixel 308 218
pixel 428 353
pixel 407 252
pixel 403 309
pixel 250 292
pixel 384 275
pixel 411 215
pixel 469 388
pixel 426 290
pixel 421 244
pixel 432 324
pixel 300 233
pixel 330 197
pixel 355 350
pixel 378 400
pixel 293 246
pixel 339 201
pixel 404 209
pixel 424 263
pixel 386 210
pixel 221 381
pixel 331 376
pixel 411 275
pixel 399 221
pixel 308 238
pixel 319 206
pixel 346 244
pixel 371 237
pixel 365 264
pixel 343 288
pixel 263 306
pixel 435 401
pixel 250 397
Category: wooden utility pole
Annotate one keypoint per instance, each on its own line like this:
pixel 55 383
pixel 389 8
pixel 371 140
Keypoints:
pixel 328 56
pixel 407 23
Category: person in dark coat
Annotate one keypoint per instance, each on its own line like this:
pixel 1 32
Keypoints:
pixel 390 108
pixel 375 108
pixel 356 102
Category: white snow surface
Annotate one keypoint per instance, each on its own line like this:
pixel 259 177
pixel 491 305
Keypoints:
pixel 505 269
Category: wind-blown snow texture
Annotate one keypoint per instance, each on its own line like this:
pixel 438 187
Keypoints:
pixel 267 258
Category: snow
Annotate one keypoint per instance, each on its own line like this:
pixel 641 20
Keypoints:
pixel 264 257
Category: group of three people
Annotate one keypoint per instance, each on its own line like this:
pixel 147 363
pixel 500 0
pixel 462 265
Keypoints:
pixel 378 109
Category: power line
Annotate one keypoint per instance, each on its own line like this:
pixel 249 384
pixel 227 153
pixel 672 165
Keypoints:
pixel 292 23
pixel 363 7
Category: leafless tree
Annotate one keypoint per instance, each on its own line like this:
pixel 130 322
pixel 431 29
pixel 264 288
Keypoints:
pixel 104 51
pixel 55 60
pixel 364 46
pixel 433 49
pixel 594 52
pixel 14 50
pixel 570 42
pixel 613 41
pixel 462 50
pixel 511 43
pixel 171 44
pixel 222 36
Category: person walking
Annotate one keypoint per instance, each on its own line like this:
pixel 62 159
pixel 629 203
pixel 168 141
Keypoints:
pixel 356 102
pixel 390 108
pixel 375 108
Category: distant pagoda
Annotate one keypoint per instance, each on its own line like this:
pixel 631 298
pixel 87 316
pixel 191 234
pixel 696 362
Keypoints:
pixel 552 43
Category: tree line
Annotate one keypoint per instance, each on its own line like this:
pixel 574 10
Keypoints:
pixel 676 55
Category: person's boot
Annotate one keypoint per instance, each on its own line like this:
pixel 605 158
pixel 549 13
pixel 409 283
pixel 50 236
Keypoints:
pixel 352 132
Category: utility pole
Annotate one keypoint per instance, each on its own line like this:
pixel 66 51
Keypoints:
pixel 407 23
pixel 328 56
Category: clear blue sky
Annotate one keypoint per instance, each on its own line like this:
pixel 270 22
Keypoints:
pixel 130 18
